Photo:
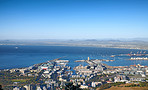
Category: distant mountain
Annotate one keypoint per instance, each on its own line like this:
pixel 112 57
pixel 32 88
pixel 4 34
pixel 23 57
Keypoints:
pixel 110 43
pixel 141 39
pixel 91 40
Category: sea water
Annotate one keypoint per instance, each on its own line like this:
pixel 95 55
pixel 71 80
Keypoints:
pixel 12 56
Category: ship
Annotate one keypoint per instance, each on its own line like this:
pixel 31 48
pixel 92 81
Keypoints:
pixel 138 54
pixel 132 54
pixel 16 47
pixel 138 58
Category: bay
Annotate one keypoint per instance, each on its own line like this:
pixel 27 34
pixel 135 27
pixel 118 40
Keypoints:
pixel 12 56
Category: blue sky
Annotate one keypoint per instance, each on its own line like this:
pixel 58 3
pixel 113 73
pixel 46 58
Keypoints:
pixel 73 19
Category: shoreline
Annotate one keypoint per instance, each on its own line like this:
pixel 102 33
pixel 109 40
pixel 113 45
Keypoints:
pixel 75 46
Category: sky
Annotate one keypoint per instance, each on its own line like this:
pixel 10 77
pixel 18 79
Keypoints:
pixel 73 19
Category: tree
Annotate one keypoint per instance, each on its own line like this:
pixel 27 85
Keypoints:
pixel 70 86
pixel 1 87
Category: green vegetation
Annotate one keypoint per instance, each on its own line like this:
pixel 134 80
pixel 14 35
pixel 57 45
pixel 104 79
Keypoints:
pixel 117 83
pixel 8 79
pixel 19 80
pixel 108 85
pixel 141 84
pixel 130 75
pixel 70 86
pixel 120 84
pixel 132 85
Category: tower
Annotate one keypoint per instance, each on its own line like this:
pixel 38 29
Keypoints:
pixel 88 58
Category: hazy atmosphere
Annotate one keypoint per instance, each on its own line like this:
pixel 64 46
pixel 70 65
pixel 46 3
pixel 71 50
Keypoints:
pixel 73 44
pixel 73 19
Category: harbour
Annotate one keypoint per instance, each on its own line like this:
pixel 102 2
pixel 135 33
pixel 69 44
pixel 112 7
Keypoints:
pixel 28 55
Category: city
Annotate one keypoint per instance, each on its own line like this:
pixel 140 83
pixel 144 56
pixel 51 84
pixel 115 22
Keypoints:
pixel 73 45
pixel 56 74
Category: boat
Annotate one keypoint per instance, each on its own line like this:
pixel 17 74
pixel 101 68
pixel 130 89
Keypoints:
pixel 138 58
pixel 16 47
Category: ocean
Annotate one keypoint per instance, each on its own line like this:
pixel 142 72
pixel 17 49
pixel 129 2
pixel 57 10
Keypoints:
pixel 12 56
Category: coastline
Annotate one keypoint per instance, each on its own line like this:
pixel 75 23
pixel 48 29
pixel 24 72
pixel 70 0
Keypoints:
pixel 73 46
pixel 33 57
